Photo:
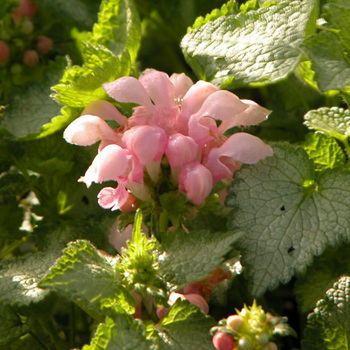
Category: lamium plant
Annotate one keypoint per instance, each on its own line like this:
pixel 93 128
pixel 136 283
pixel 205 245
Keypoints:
pixel 174 175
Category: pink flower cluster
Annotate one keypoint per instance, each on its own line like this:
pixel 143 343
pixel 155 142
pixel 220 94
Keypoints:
pixel 174 120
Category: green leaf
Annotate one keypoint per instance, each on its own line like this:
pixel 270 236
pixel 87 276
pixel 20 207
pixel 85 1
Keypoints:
pixel 11 217
pixel 81 13
pixel 329 50
pixel 328 326
pixel 321 275
pixel 120 332
pixel 185 327
pixel 190 257
pixel 31 107
pixel 79 86
pixel 88 278
pixel 260 46
pixel 329 61
pixel 20 278
pixel 12 184
pixel 324 151
pixel 11 326
pixel 225 9
pixel 332 121
pixel 118 28
pixel 286 215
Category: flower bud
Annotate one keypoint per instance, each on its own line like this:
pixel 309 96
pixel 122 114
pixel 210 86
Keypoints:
pixel 223 341
pixel 234 322
pixel 27 27
pixel 30 58
pixel 4 51
pixel 44 44
pixel 270 346
pixel 244 343
pixel 16 69
pixel 27 8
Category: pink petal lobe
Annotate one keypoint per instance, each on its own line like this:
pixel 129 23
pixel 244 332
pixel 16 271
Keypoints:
pixel 106 111
pixel 181 150
pixel 202 129
pixel 128 89
pixel 159 87
pixel 222 105
pixel 112 163
pixel 113 198
pixel 196 181
pixel 192 102
pixel 181 84
pixel 146 142
pixel 252 115
pixel 88 129
pixel 240 147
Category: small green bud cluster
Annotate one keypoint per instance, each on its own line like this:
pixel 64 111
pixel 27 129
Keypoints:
pixel 22 44
pixel 250 329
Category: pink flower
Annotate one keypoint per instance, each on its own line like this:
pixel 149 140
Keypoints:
pixel 196 181
pixel 176 119
pixel 241 147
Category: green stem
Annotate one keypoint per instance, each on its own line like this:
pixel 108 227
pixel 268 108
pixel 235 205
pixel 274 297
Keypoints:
pixel 9 249
pixel 38 340
pixel 163 221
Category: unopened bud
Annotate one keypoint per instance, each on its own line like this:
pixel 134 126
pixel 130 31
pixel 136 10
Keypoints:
pixel 16 69
pixel 4 51
pixel 244 343
pixel 27 27
pixel 44 44
pixel 30 58
pixel 234 322
pixel 27 8
pixel 270 346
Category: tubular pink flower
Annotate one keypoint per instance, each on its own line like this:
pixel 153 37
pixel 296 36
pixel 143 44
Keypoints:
pixel 196 181
pixel 113 198
pixel 181 150
pixel 106 111
pixel 159 88
pixel 252 115
pixel 113 163
pixel 146 142
pixel 88 129
pixel 129 89
pixel 240 147
pixel 192 102
pixel 202 129
pixel 181 84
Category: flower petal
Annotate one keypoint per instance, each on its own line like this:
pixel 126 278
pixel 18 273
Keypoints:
pixel 128 89
pixel 88 129
pixel 196 181
pixel 252 115
pixel 222 105
pixel 112 163
pixel 202 129
pixel 192 101
pixel 240 147
pixel 181 84
pixel 159 87
pixel 106 111
pixel 181 150
pixel 146 142
pixel 113 198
